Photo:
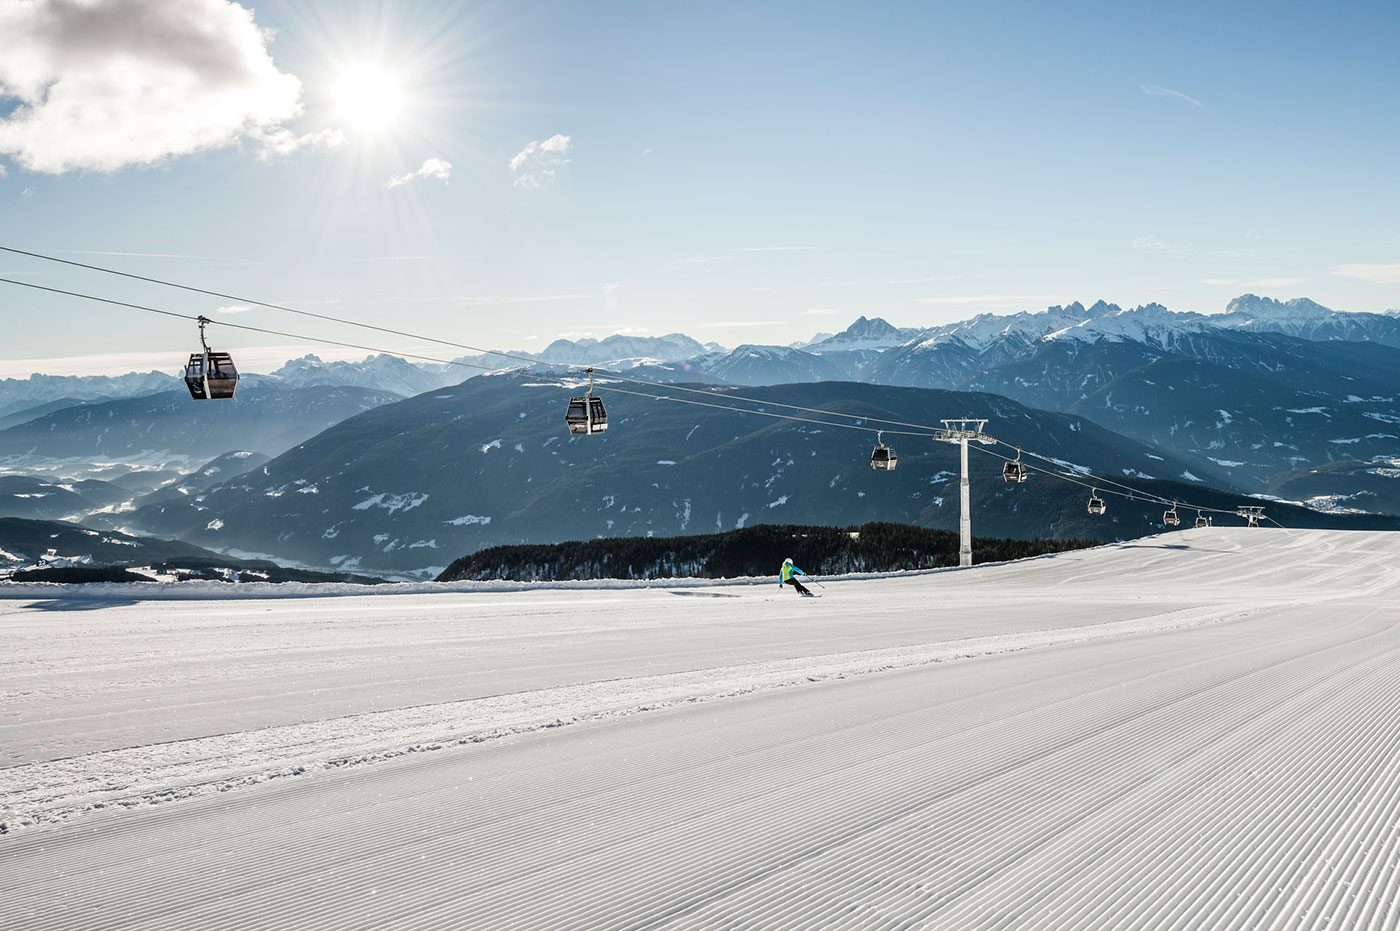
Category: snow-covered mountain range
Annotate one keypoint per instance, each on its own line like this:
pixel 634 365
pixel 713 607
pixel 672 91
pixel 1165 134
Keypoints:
pixel 1291 399
pixel 850 354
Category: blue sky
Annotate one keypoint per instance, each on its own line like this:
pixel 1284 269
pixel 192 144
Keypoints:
pixel 740 172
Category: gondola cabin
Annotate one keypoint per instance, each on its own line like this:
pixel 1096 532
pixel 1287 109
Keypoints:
pixel 1170 518
pixel 586 415
pixel 211 375
pixel 1202 521
pixel 883 457
pixel 1014 472
pixel 1096 505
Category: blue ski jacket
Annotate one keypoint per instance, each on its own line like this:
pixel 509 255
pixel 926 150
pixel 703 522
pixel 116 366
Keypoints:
pixel 788 571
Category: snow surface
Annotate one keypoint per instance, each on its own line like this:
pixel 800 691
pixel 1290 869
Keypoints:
pixel 1198 730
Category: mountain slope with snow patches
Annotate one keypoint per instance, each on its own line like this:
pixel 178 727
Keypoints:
pixel 409 487
pixel 171 428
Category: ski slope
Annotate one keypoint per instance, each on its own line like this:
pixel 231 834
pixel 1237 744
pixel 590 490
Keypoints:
pixel 1197 730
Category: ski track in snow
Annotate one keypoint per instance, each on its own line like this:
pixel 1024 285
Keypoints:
pixel 1197 730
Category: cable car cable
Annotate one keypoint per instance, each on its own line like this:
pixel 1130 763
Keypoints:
pixel 1134 494
pixel 924 430
pixel 1102 480
pixel 563 382
pixel 433 339
pixel 740 410
pixel 255 329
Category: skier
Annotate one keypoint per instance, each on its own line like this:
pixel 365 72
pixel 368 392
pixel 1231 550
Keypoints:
pixel 786 576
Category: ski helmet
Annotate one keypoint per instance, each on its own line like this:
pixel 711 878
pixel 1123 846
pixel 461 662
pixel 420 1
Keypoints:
pixel 788 561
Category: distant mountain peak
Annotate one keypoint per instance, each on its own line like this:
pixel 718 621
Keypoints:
pixel 1256 306
pixel 309 359
pixel 867 326
pixel 865 333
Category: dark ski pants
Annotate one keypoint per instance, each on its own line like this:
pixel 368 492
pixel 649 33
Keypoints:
pixel 801 589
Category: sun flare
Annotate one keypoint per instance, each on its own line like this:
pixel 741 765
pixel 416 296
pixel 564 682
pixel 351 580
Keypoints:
pixel 369 99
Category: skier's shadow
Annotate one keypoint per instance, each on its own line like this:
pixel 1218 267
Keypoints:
pixel 81 604
pixel 1168 546
pixel 702 594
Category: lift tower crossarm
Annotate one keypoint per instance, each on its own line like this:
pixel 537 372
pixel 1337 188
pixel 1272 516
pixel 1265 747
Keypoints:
pixel 962 430
pixel 1251 514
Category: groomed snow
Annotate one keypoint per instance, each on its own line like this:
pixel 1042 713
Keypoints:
pixel 1194 730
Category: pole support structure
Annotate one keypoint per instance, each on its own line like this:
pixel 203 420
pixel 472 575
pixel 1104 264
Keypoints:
pixel 961 431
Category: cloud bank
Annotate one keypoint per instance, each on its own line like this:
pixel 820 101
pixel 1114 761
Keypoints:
pixel 432 168
pixel 106 84
pixel 1376 274
pixel 536 164
pixel 1152 90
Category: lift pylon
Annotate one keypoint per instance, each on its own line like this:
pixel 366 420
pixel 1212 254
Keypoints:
pixel 962 430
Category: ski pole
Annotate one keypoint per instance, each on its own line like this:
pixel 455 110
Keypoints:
pixel 819 585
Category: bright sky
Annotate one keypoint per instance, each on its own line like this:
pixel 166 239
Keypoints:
pixel 501 174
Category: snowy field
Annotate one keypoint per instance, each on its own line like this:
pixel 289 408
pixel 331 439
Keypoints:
pixel 1198 730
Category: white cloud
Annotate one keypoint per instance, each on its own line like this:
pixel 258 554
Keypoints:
pixel 233 309
pixel 144 255
pixel 432 168
pixel 592 331
pixel 1274 283
pixel 282 142
pixel 249 359
pixel 1376 274
pixel 543 298
pixel 536 164
pixel 106 84
pixel 1153 244
pixel 729 323
pixel 989 299
pixel 734 255
pixel 1155 91
pixel 3 171
pixel 881 284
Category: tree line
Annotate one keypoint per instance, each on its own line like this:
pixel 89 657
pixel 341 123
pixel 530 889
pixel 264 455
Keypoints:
pixel 751 551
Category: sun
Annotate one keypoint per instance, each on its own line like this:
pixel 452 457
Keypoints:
pixel 369 99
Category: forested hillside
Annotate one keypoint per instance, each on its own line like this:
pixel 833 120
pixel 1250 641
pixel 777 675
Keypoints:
pixel 752 551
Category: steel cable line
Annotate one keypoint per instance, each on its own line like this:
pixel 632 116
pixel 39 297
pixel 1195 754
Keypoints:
pixel 923 429
pixel 255 329
pixel 1132 494
pixel 561 381
pixel 281 307
pixel 1071 474
pixel 739 410
pixel 433 339
pixel 1073 480
pixel 1103 481
pixel 524 359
